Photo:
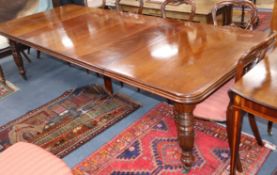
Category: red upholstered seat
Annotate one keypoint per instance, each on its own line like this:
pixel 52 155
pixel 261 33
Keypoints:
pixel 214 107
pixel 28 159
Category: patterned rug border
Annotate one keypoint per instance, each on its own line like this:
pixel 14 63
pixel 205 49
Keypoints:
pixel 89 137
pixel 27 114
pixel 86 139
pixel 267 143
pixel 257 168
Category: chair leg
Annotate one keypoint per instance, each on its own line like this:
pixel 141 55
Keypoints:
pixel 229 134
pixel 242 15
pixel 25 56
pixel 28 50
pixel 121 84
pixel 269 127
pixel 235 130
pixel 2 77
pixel 38 54
pixel 255 129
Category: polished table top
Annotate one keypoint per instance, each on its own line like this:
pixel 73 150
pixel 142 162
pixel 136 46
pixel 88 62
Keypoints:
pixel 184 62
pixel 260 83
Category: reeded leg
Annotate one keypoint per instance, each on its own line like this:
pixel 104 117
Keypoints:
pixel 269 127
pixel 185 122
pixel 2 77
pixel 255 129
pixel 108 84
pixel 235 140
pixel 17 58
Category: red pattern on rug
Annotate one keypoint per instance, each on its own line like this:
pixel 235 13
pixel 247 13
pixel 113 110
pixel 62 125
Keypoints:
pixel 149 146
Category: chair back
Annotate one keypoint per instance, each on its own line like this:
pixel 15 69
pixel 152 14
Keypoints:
pixel 140 8
pixel 254 55
pixel 241 4
pixel 178 2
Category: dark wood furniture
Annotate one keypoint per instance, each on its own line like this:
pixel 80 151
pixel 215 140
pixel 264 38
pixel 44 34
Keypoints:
pixel 190 3
pixel 254 93
pixel 56 3
pixel 202 12
pixel 243 4
pixel 2 77
pixel 183 62
pixel 249 25
pixel 5 52
pixel 220 99
pixel 140 6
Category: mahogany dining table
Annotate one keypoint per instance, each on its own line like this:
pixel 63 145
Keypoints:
pixel 180 61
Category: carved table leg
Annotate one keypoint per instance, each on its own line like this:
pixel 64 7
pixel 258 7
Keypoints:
pixel 185 122
pixel 17 58
pixel 2 77
pixel 108 84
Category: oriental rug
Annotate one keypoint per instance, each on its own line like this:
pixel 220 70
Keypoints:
pixel 7 89
pixel 68 121
pixel 149 146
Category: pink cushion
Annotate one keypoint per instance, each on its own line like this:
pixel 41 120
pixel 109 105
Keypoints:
pixel 28 159
pixel 215 106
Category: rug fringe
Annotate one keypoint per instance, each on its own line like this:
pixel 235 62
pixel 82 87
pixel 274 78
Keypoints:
pixel 93 89
pixel 270 145
pixel 11 85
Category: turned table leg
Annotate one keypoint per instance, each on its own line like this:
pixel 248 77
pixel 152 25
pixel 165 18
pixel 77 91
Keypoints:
pixel 108 84
pixel 17 58
pixel 185 122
